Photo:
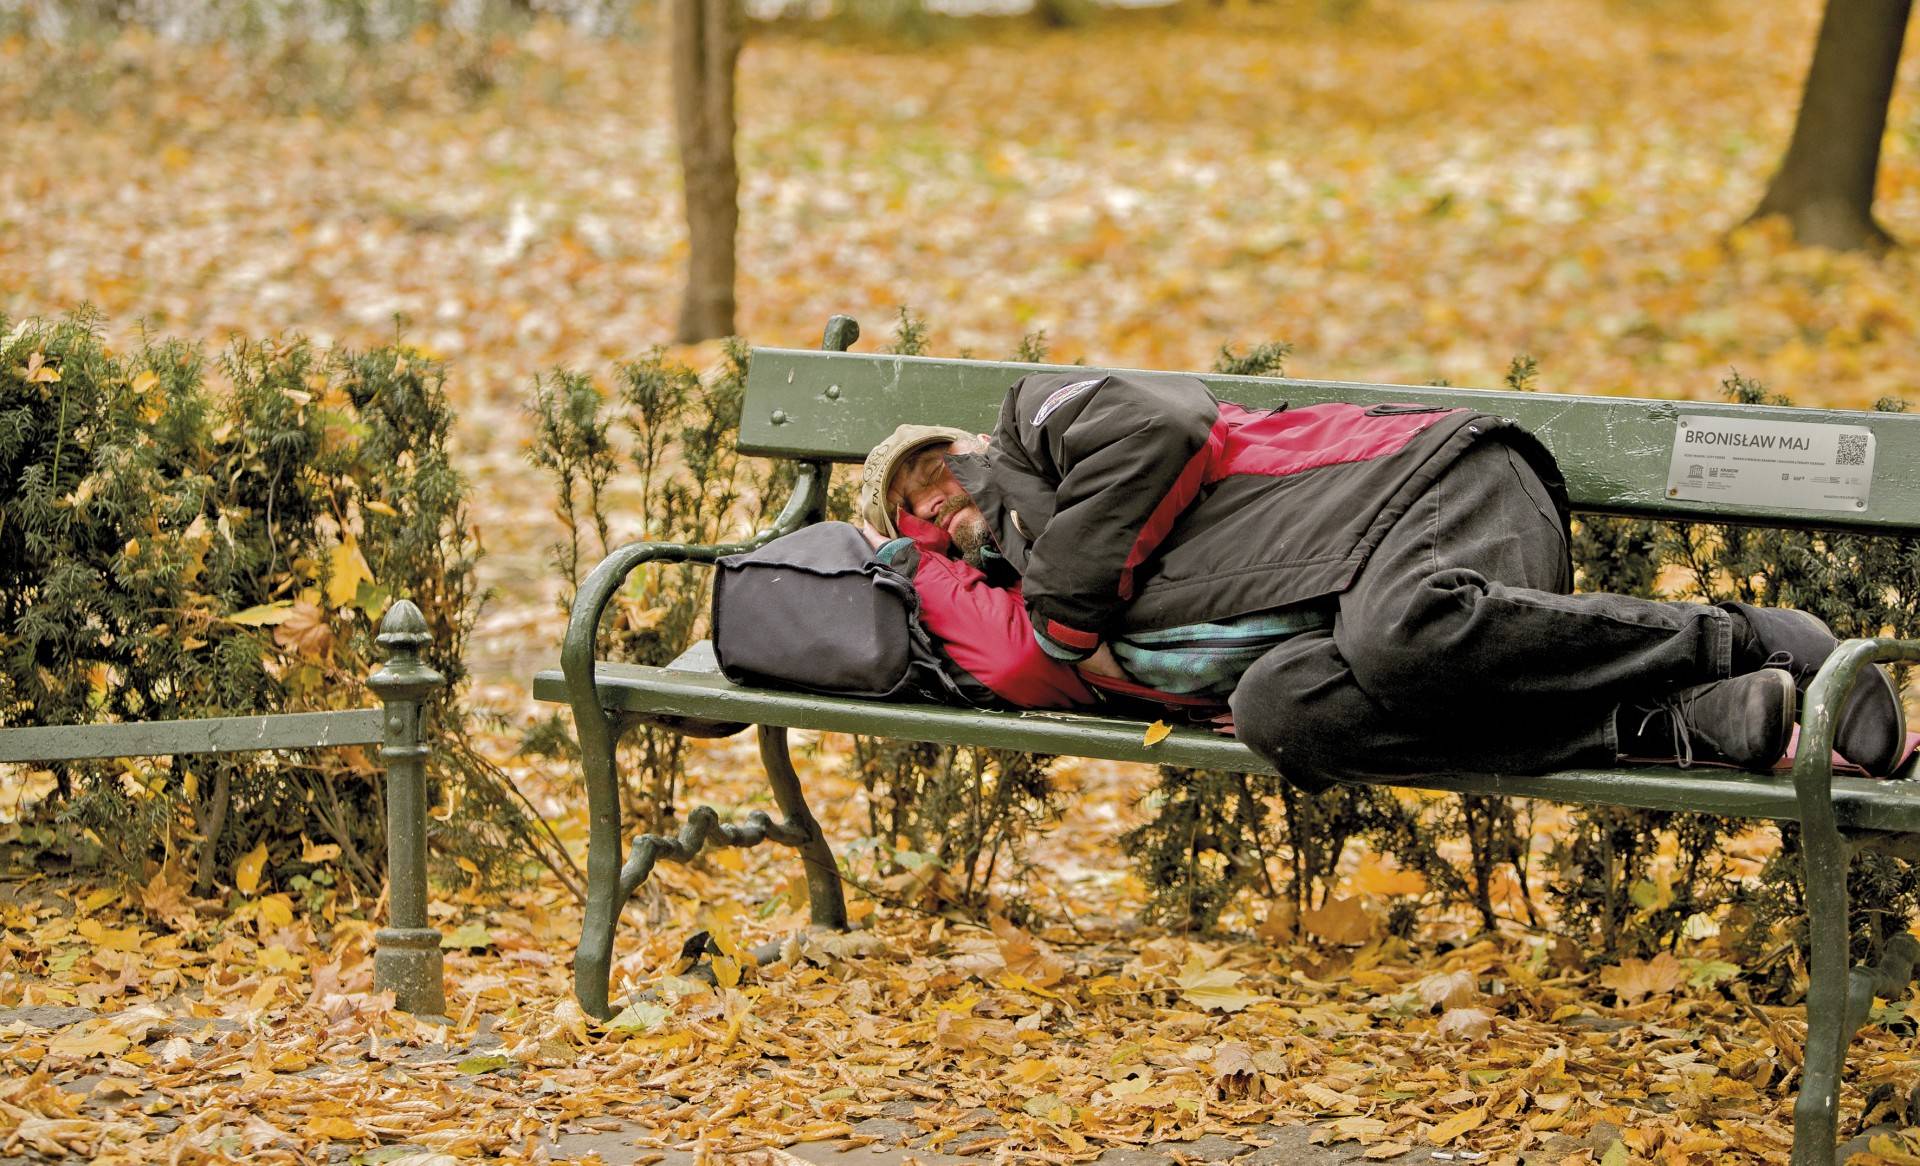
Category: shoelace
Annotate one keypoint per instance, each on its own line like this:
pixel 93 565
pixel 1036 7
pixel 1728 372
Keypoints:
pixel 1682 731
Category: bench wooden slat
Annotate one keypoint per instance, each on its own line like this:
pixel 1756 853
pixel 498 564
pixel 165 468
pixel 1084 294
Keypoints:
pixel 212 735
pixel 681 691
pixel 1615 450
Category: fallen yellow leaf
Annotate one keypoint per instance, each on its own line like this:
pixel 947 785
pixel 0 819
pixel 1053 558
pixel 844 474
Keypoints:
pixel 1454 1126
pixel 1213 988
pixel 246 872
pixel 276 911
pixel 94 1039
pixel 1156 733
pixel 318 852
pixel 337 1129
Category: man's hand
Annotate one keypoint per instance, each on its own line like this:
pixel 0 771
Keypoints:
pixel 874 538
pixel 1102 663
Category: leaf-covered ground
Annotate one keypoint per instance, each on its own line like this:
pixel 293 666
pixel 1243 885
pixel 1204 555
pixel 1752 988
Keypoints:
pixel 1422 192
pixel 144 1026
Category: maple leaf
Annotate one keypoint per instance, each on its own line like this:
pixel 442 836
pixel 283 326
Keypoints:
pixel 1382 879
pixel 164 898
pixel 305 632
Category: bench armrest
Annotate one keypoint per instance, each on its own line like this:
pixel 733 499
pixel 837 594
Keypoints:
pixel 590 602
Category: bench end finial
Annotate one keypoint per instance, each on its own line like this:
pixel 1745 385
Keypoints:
pixel 841 332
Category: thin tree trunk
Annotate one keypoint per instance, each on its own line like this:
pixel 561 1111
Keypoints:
pixel 212 823
pixel 1825 183
pixel 705 48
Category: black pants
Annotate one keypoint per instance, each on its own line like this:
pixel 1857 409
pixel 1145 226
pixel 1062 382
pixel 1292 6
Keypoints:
pixel 1460 649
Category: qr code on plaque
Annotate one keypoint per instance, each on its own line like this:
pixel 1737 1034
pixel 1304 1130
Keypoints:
pixel 1853 450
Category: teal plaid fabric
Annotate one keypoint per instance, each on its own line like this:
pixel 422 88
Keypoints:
pixel 1207 659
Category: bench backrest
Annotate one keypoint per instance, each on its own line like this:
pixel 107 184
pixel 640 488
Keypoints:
pixel 1618 453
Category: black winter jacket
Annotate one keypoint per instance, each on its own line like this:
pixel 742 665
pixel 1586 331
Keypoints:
pixel 1132 501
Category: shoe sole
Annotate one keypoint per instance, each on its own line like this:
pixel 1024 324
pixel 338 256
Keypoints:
pixel 1872 731
pixel 1863 734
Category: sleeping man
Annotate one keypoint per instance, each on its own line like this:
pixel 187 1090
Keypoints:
pixel 1369 591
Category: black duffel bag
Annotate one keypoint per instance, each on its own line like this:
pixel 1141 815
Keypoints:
pixel 814 610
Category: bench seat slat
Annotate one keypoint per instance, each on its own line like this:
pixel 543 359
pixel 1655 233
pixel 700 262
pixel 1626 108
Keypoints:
pixel 1615 451
pixel 704 694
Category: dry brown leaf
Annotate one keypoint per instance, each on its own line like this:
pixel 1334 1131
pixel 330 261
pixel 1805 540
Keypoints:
pixel 1470 1024
pixel 1636 979
pixel 1028 956
pixel 1342 920
pixel 1365 1130
pixel 1235 1077
pixel 1445 990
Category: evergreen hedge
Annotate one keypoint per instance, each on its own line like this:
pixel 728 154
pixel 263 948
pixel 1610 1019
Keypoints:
pixel 184 538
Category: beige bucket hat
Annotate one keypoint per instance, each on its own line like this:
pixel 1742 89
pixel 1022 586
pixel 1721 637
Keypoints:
pixel 885 458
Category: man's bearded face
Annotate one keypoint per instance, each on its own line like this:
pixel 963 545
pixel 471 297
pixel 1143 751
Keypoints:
pixel 925 488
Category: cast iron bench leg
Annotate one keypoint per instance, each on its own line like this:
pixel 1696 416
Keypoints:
pixel 1828 1033
pixel 829 906
pixel 606 853
pixel 614 873
pixel 1838 997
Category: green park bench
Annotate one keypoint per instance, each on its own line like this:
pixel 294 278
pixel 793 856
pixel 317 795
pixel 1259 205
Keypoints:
pixel 1619 457
pixel 407 958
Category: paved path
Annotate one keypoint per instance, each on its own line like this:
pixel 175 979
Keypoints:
pixel 890 1139
pixel 1291 1145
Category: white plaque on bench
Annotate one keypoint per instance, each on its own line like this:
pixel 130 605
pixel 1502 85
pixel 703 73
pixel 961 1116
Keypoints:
pixel 1802 464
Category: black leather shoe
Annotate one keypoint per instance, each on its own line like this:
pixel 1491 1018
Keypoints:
pixel 1745 722
pixel 1872 729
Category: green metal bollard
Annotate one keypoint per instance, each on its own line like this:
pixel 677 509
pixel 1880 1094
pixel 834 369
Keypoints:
pixel 407 955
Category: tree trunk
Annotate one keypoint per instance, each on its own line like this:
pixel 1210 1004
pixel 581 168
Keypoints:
pixel 705 48
pixel 1825 182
